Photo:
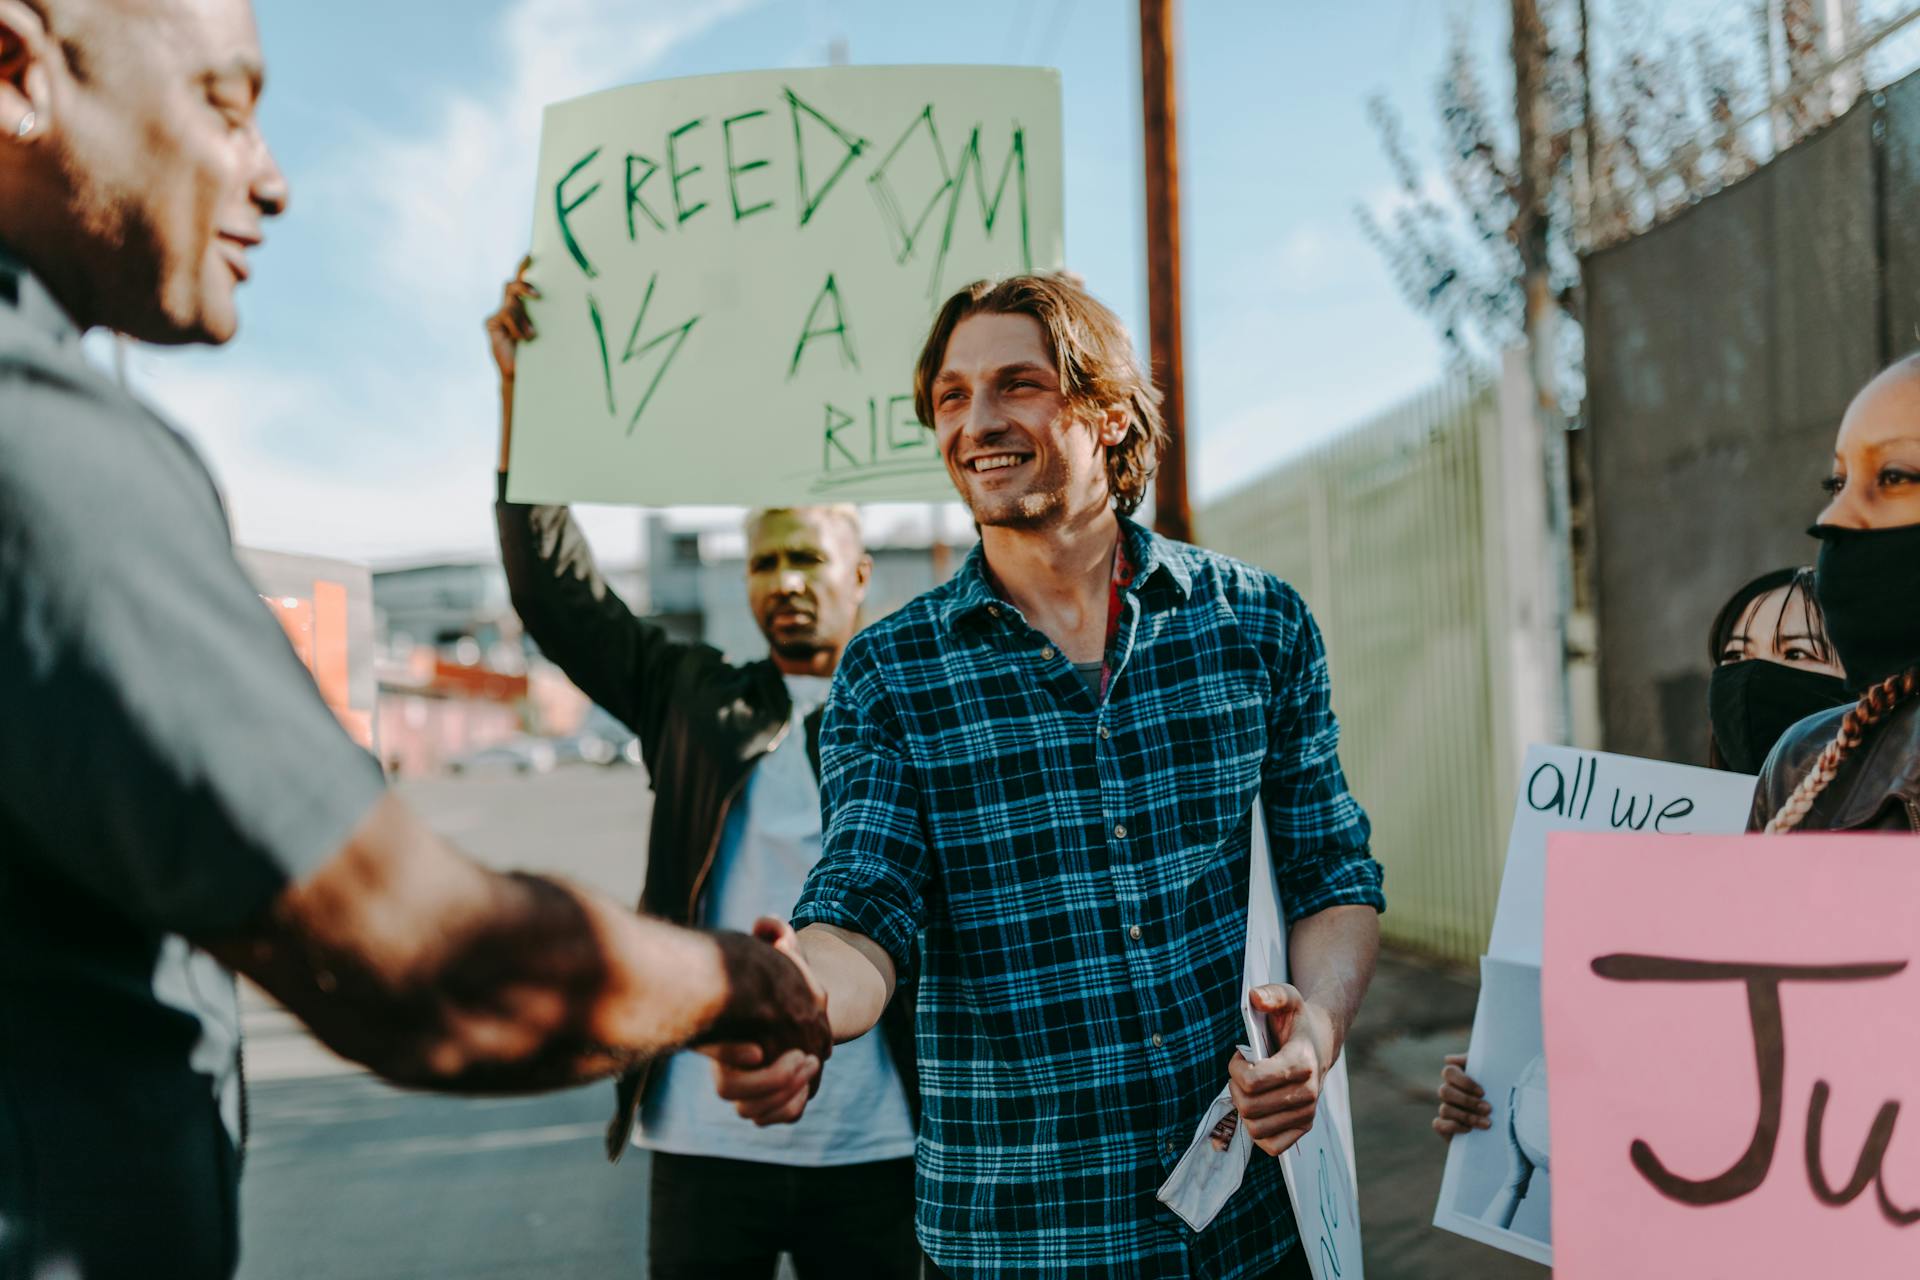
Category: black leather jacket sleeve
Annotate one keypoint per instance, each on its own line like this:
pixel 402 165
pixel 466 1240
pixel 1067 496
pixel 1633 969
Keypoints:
pixel 624 663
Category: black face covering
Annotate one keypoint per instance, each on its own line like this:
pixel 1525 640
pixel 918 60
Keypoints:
pixel 1751 704
pixel 1868 584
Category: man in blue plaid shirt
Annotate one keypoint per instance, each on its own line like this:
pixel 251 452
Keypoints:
pixel 1038 781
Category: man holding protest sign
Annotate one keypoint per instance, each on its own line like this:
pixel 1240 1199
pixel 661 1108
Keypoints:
pixel 731 755
pixel 169 772
pixel 1048 765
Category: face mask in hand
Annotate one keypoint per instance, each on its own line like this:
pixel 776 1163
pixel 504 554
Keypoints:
pixel 1206 1177
pixel 1867 581
pixel 1752 704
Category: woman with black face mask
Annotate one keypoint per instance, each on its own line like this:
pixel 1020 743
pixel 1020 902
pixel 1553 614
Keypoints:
pixel 1772 667
pixel 1858 768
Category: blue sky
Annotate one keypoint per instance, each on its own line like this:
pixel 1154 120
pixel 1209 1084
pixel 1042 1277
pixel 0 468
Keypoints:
pixel 356 413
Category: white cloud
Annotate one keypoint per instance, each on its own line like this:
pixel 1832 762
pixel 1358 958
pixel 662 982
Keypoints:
pixel 382 444
pixel 481 160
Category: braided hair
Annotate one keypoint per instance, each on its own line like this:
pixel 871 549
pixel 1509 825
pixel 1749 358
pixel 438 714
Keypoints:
pixel 1874 706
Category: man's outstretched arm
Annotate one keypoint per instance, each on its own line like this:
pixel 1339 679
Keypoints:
pixel 856 978
pixel 404 955
pixel 861 911
pixel 856 973
pixel 220 801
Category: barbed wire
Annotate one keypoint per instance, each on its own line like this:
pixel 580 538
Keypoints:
pixel 1760 114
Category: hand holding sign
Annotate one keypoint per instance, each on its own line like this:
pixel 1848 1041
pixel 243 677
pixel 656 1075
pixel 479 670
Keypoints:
pixel 1463 1103
pixel 1277 1096
pixel 507 328
pixel 1289 1100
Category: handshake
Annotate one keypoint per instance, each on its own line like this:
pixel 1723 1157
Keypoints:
pixel 772 1035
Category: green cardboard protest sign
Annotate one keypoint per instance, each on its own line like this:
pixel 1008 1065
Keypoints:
pixel 737 272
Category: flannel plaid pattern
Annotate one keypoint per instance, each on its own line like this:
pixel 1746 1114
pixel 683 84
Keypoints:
pixel 1075 875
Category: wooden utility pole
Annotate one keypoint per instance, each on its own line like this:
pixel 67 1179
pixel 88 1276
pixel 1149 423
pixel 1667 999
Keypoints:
pixel 1533 113
pixel 1159 104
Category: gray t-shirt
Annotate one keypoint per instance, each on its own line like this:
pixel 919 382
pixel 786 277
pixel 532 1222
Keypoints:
pixel 167 767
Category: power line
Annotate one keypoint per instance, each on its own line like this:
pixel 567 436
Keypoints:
pixel 1023 15
pixel 1062 10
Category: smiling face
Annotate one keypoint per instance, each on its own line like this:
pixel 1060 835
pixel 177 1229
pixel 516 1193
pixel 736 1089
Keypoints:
pixel 152 145
pixel 1019 454
pixel 806 578
pixel 1875 482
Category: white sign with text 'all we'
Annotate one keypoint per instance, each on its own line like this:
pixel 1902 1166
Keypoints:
pixel 1567 789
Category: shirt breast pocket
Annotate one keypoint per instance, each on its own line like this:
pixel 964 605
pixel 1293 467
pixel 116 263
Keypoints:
pixel 994 829
pixel 1219 745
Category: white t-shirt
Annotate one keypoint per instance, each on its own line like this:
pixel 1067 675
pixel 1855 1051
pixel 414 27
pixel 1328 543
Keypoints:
pixel 771 841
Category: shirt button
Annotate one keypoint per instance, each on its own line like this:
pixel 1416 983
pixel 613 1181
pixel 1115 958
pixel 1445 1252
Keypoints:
pixel 1134 933
pixel 1119 831
pixel 1047 653
pixel 994 609
pixel 1105 733
pixel 1157 1041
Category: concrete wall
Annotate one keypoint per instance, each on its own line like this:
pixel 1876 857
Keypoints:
pixel 1722 349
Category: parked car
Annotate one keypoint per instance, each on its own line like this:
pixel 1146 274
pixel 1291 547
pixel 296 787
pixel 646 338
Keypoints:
pixel 584 748
pixel 524 755
pixel 614 742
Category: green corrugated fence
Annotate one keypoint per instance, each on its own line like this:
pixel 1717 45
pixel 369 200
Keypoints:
pixel 1391 534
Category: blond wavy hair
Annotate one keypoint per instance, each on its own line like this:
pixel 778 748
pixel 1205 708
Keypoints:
pixel 1091 353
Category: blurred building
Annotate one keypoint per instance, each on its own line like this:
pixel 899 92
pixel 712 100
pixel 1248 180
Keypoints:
pixel 325 607
pixel 458 675
pixel 456 606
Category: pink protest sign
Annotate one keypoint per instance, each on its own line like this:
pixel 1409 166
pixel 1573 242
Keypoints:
pixel 1732 1033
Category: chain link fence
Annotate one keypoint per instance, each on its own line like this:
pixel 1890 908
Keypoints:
pixel 1392 534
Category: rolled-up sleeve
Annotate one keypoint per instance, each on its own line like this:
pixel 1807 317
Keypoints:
pixel 874 865
pixel 1318 832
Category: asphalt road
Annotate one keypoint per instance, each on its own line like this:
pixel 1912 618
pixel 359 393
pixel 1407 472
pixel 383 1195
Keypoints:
pixel 348 1179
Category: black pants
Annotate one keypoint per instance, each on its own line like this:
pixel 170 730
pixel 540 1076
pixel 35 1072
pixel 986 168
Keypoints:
pixel 732 1219
pixel 1292 1267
